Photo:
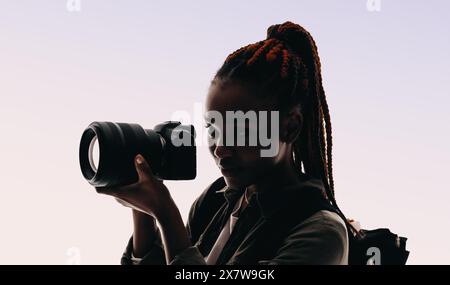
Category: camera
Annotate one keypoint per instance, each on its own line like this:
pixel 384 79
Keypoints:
pixel 107 152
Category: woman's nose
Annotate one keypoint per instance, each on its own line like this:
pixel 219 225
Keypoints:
pixel 221 151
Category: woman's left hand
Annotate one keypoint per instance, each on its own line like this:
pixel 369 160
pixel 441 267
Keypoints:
pixel 148 194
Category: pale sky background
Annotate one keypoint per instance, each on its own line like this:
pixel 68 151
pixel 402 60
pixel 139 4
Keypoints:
pixel 385 75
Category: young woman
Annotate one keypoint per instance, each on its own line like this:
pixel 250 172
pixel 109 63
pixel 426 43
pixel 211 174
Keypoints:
pixel 263 210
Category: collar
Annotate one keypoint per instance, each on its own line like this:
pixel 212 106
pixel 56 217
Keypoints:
pixel 271 201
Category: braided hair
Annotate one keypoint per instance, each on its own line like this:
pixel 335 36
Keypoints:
pixel 287 63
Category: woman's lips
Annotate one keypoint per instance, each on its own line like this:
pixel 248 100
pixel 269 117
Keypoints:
pixel 230 172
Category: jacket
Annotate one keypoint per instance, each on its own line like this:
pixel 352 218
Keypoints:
pixel 292 225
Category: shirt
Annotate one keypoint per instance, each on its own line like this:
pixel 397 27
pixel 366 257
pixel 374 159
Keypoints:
pixel 225 234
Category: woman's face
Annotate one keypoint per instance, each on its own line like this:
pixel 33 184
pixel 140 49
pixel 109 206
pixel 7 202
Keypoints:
pixel 241 166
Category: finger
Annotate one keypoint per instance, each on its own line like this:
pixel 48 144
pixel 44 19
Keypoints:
pixel 143 168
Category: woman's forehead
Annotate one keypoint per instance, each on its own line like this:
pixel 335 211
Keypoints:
pixel 234 97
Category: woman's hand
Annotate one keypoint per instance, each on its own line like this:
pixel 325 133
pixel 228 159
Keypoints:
pixel 148 195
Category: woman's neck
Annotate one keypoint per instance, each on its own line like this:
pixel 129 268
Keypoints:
pixel 284 174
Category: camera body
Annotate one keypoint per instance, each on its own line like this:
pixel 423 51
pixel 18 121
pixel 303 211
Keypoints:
pixel 169 148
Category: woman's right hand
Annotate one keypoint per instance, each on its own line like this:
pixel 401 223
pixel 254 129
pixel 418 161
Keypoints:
pixel 148 194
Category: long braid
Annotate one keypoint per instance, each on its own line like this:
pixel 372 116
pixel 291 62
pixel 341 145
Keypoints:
pixel 327 119
pixel 321 106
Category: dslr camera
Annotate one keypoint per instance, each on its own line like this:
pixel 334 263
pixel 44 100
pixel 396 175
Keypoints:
pixel 108 149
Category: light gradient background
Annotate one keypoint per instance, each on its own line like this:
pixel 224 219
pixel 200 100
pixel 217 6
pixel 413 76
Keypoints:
pixel 385 74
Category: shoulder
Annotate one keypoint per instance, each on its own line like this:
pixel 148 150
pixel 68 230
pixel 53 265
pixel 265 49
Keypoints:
pixel 321 239
pixel 324 225
pixel 324 219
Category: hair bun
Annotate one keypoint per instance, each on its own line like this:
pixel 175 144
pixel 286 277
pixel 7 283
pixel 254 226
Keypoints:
pixel 285 32
pixel 295 37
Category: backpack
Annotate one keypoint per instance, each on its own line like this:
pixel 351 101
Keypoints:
pixel 376 247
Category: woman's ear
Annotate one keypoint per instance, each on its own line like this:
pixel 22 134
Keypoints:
pixel 291 125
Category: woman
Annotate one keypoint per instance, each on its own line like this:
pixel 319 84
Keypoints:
pixel 276 209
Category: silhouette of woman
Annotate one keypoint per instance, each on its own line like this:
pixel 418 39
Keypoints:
pixel 263 210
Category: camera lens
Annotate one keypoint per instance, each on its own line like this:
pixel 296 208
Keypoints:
pixel 88 167
pixel 94 155
pixel 107 152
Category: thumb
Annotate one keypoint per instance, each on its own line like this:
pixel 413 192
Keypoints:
pixel 142 168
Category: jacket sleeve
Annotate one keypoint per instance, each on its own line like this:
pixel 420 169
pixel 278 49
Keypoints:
pixel 319 240
pixel 155 255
